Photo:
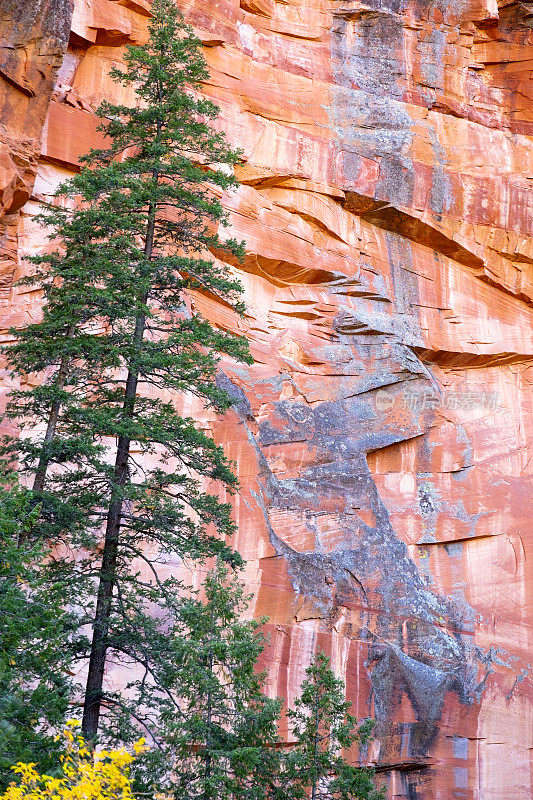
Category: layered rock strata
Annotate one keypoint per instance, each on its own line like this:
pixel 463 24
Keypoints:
pixel 383 435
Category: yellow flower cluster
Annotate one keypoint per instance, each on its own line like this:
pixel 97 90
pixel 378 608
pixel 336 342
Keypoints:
pixel 87 774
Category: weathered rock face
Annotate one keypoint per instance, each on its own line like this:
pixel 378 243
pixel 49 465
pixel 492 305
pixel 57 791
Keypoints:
pixel 383 435
pixel 33 40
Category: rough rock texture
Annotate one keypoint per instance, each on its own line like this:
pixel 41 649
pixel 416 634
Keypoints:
pixel 383 436
pixel 33 40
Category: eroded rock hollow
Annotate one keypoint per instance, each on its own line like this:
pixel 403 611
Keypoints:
pixel 383 435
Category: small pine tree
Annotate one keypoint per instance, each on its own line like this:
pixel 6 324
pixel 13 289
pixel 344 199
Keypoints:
pixel 224 738
pixel 36 640
pixel 323 728
pixel 119 341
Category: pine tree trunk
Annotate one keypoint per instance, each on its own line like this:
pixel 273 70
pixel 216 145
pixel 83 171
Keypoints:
pixel 44 461
pixel 108 569
pixel 40 474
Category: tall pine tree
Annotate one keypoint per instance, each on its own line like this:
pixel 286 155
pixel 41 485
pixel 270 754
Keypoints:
pixel 119 473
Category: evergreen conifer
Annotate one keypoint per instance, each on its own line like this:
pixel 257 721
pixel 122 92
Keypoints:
pixel 316 766
pixel 118 472
pixel 224 738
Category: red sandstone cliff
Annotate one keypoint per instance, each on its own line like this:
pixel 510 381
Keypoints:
pixel 383 435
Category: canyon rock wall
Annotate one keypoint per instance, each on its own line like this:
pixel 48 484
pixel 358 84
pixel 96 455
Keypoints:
pixel 383 435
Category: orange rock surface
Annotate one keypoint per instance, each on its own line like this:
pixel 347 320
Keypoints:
pixel 383 435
